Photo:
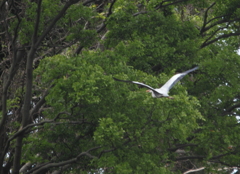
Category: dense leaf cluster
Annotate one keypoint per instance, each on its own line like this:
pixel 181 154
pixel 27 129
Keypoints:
pixel 62 111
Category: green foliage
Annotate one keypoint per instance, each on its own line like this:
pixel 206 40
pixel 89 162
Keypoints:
pixel 49 9
pixel 121 113
pixel 153 41
pixel 78 31
pixel 131 131
pixel 124 119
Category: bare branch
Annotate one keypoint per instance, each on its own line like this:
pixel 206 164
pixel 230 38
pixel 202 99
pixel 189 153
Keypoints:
pixel 202 157
pixel 217 17
pixel 3 4
pixel 87 2
pixel 34 36
pixel 172 3
pixel 222 155
pixel 54 21
pixel 73 160
pixel 218 38
pixel 189 157
pixel 37 167
pixel 212 35
pixel 228 110
pixel 12 17
pixel 138 13
pixel 224 20
pixel 25 167
pixel 106 151
pixel 103 25
pixel 40 102
pixel 29 126
pixel 160 6
pixel 110 8
pixel 205 17
pixel 79 49
pixel 16 34
pixel 181 146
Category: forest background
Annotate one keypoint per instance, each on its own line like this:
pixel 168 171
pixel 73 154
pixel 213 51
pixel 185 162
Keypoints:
pixel 62 112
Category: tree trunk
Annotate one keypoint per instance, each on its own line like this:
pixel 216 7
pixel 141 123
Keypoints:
pixel 7 81
pixel 25 110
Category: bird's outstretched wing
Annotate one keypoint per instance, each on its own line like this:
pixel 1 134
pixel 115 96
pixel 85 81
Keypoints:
pixel 138 83
pixel 174 79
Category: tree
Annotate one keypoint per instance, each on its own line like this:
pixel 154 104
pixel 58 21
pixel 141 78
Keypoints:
pixel 61 111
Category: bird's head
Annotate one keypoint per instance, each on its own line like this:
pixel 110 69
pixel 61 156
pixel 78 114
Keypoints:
pixel 153 95
pixel 149 90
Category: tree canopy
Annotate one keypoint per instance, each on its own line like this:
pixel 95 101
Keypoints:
pixel 62 111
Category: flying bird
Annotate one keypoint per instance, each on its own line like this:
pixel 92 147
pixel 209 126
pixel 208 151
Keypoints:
pixel 163 91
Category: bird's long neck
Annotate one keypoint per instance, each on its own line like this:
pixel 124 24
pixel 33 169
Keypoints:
pixel 153 95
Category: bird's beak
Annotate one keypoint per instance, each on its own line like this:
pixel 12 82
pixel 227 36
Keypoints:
pixel 171 97
pixel 148 90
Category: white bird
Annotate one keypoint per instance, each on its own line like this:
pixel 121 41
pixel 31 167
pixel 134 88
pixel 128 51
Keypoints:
pixel 163 91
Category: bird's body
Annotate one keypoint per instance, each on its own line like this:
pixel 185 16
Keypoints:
pixel 163 91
